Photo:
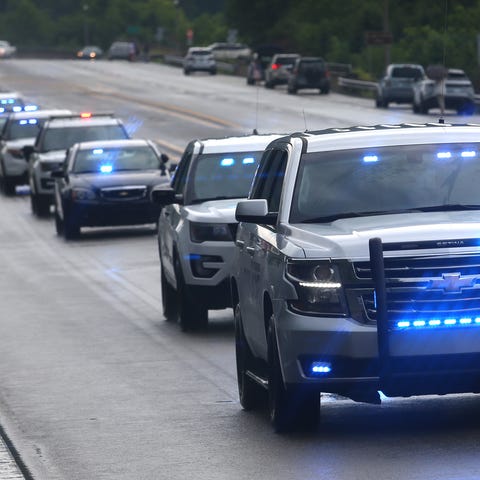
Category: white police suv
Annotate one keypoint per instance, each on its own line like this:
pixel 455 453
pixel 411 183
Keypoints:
pixel 197 224
pixel 357 268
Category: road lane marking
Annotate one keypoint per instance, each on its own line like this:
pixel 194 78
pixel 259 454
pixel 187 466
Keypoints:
pixel 180 112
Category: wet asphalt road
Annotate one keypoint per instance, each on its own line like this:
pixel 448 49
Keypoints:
pixel 94 384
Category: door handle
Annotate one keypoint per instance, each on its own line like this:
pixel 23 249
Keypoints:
pixel 239 243
pixel 250 250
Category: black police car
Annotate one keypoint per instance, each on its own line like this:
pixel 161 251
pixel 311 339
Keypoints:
pixel 108 183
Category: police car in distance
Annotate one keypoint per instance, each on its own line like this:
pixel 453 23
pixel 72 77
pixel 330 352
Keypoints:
pixel 108 183
pixel 55 137
pixel 13 102
pixel 197 224
pixel 19 131
pixel 357 268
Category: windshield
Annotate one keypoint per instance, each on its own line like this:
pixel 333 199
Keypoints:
pixel 223 175
pixel 24 128
pixel 386 180
pixel 64 138
pixel 406 72
pixel 107 160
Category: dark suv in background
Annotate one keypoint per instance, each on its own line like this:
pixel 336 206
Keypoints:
pixel 309 72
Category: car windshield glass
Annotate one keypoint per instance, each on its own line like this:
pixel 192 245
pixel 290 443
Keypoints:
pixel 456 76
pixel 406 72
pixel 108 160
pixel 64 138
pixel 345 183
pixel 201 53
pixel 23 128
pixel 223 175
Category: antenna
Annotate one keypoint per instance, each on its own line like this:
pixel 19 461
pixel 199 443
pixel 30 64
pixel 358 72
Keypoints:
pixel 255 130
pixel 305 120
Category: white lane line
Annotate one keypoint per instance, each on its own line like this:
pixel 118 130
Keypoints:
pixel 8 468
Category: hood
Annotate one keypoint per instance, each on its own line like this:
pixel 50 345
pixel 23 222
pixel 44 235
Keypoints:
pixel 348 238
pixel 52 156
pixel 119 179
pixel 214 211
pixel 20 142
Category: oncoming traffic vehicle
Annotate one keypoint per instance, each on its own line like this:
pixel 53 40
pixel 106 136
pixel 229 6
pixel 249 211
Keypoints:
pixel 108 183
pixel 357 268
pixel 19 131
pixel 197 224
pixel 55 137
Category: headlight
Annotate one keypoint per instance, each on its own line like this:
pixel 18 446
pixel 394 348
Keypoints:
pixel 318 288
pixel 216 232
pixel 80 194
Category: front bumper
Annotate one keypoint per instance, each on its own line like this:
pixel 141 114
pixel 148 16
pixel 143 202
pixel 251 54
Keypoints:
pixel 420 362
pixel 100 214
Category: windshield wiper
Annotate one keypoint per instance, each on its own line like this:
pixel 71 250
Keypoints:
pixel 435 208
pixel 219 197
pixel 338 216
pixel 449 207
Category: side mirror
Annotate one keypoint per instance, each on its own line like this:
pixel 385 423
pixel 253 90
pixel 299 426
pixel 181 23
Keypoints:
pixel 164 158
pixel 163 195
pixel 255 211
pixel 27 151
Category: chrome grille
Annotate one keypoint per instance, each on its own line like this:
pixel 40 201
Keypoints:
pixel 425 287
pixel 124 193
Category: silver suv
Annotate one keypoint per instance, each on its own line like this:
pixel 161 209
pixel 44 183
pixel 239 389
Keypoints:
pixel 357 268
pixel 199 59
pixel 55 137
pixel 19 131
pixel 279 69
pixel 197 225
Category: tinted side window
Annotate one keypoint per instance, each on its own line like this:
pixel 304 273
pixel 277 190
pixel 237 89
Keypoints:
pixel 269 181
pixel 180 177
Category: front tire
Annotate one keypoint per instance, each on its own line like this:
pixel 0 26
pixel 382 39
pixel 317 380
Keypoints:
pixel 251 394
pixel 40 205
pixel 9 187
pixel 71 229
pixel 191 313
pixel 293 408
pixel 169 298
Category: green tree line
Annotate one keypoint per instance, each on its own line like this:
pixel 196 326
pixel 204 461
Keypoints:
pixel 423 31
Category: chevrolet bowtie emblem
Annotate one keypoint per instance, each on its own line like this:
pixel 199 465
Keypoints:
pixel 124 193
pixel 452 282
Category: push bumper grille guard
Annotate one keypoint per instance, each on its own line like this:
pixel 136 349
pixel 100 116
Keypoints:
pixel 393 368
pixel 378 276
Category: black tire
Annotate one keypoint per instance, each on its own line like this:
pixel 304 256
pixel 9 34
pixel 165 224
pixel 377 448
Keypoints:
pixel 186 72
pixel 415 108
pixel 213 72
pixel 58 224
pixel 169 298
pixel 269 84
pixel 8 187
pixel 250 81
pixel 291 90
pixel 40 205
pixel 422 107
pixel 324 91
pixel 71 229
pixel 251 395
pixel 293 408
pixel 191 313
